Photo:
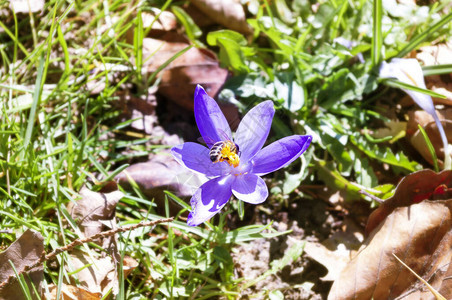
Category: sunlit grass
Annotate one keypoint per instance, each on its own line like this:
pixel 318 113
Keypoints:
pixel 57 135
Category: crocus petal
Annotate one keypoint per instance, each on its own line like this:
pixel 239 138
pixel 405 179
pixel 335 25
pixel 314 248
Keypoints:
pixel 209 199
pixel 280 153
pixel 409 71
pixel 253 129
pixel 250 188
pixel 196 158
pixel 211 122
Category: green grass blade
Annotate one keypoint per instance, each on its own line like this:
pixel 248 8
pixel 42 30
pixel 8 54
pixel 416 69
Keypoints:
pixel 423 36
pixel 192 30
pixel 138 44
pixel 437 70
pixel 165 64
pixel 34 105
pixel 401 85
pixel 430 147
pixel 377 38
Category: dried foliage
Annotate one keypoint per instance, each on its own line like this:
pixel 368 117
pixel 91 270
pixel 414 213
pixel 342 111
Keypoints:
pixel 415 224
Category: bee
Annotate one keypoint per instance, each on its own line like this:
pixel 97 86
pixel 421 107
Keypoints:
pixel 225 151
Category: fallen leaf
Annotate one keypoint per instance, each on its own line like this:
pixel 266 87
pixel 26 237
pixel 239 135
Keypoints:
pixel 180 77
pixel 334 260
pixel 94 213
pixel 336 252
pixel 392 128
pixel 128 265
pixel 24 252
pixel 415 224
pixel 166 20
pixel 70 292
pixel 159 174
pixel 141 110
pixel 439 54
pixel 420 234
pixel 26 6
pixel 92 208
pixel 229 13
pixel 412 189
pixel 98 276
pixel 200 18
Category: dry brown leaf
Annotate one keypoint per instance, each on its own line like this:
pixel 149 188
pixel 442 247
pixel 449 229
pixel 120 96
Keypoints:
pixel 166 20
pixel 336 252
pixel 412 189
pixel 141 110
pixel 229 13
pixel 70 292
pixel 94 213
pixel 413 228
pixel 128 265
pixel 440 54
pixel 393 128
pixel 333 259
pixel 99 277
pixel 92 208
pixel 159 174
pixel 180 77
pixel 26 6
pixel 421 235
pixel 25 251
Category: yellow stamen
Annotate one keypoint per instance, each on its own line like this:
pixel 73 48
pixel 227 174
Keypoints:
pixel 230 157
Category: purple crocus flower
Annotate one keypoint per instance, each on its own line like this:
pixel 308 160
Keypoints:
pixel 237 171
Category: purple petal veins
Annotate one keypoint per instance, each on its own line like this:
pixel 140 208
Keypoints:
pixel 254 128
pixel 280 153
pixel 210 119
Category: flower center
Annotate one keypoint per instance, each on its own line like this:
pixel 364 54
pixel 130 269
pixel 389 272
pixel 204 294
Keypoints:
pixel 229 155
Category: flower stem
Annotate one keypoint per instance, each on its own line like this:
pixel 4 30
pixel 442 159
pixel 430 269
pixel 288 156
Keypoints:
pixel 447 159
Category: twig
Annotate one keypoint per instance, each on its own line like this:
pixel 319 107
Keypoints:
pixel 373 197
pixel 45 257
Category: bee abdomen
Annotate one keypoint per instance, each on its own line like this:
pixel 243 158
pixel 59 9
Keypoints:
pixel 215 151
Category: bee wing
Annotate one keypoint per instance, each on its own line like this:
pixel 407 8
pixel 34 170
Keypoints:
pixel 225 136
pixel 208 141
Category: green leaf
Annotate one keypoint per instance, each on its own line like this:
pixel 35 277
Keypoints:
pixel 288 89
pixel 231 35
pixel 292 181
pixel 385 191
pixel 364 173
pixel 333 179
pixel 250 233
pixel 232 54
pixel 334 87
pixel 384 154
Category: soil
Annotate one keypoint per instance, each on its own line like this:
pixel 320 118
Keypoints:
pixel 308 220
